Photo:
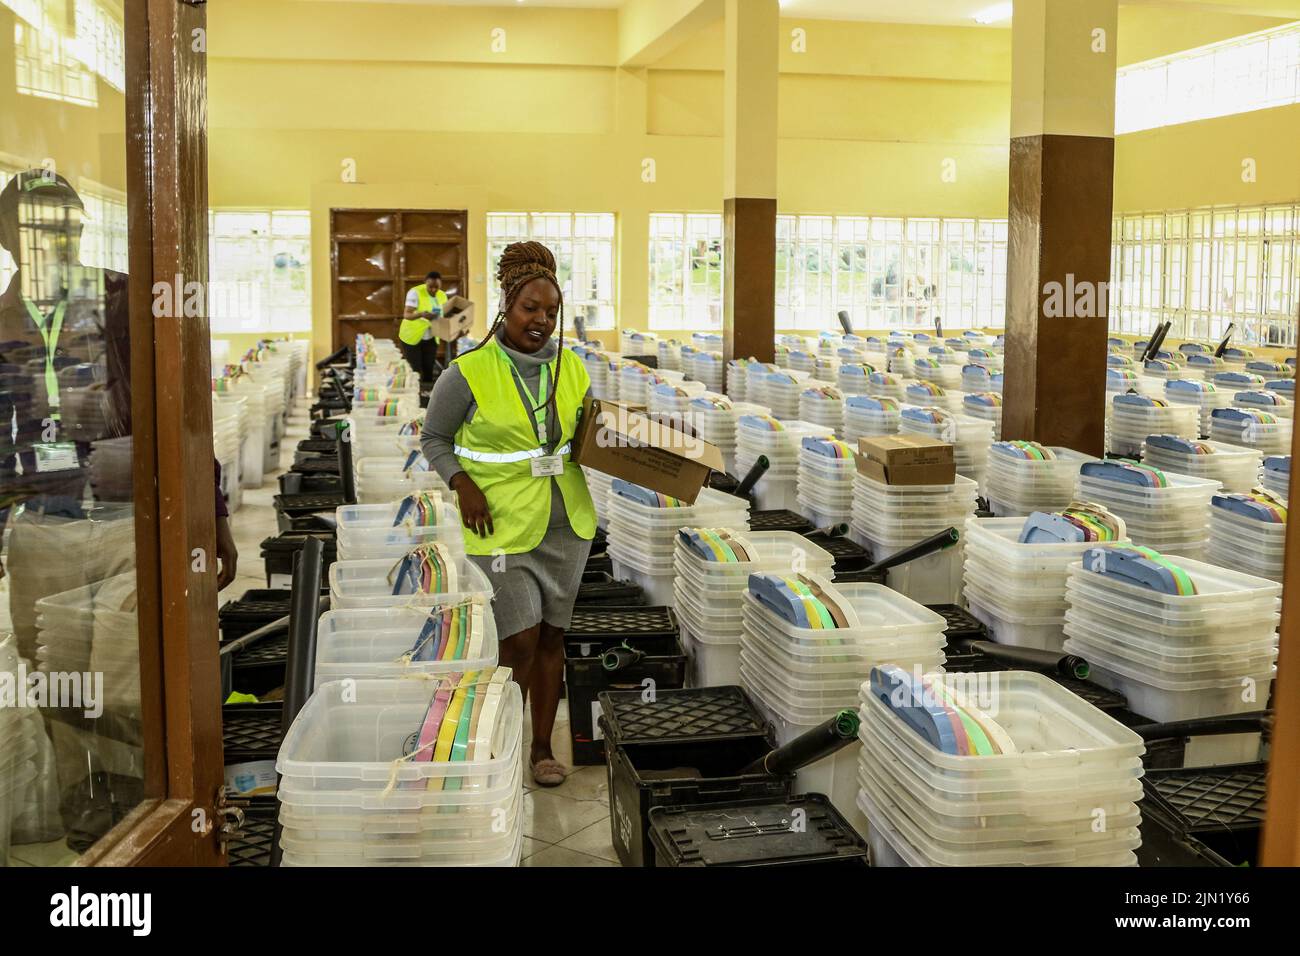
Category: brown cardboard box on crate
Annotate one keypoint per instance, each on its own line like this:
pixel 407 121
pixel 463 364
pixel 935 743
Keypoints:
pixel 622 441
pixel 906 460
pixel 457 319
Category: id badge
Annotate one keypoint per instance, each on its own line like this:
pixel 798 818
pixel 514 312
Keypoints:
pixel 56 456
pixel 548 466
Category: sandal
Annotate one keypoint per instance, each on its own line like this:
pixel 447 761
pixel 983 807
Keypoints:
pixel 548 772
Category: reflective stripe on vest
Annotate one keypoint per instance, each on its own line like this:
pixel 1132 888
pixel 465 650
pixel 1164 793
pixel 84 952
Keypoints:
pixel 506 457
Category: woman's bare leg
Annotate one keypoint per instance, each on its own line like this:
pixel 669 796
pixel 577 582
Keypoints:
pixel 519 653
pixel 547 681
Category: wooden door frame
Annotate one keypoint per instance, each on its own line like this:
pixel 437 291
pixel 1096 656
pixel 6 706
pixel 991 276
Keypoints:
pixel 167 195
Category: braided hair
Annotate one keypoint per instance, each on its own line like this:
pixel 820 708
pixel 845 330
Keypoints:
pixel 520 264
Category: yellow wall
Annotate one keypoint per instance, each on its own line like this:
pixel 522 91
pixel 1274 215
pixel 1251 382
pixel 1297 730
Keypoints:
pixel 868 116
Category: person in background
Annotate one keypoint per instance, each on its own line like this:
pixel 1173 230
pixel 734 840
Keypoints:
pixel 498 431
pixel 424 303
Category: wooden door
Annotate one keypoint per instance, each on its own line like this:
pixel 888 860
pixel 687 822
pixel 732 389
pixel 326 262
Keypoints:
pixel 376 255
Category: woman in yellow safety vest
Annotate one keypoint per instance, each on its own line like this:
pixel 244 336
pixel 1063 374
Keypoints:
pixel 498 431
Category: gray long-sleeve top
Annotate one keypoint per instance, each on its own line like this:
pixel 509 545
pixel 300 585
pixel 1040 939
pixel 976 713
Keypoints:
pixel 452 404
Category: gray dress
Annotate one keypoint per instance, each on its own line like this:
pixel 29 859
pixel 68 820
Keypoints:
pixel 533 586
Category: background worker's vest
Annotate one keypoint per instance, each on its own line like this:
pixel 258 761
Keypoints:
pixel 411 331
pixel 498 446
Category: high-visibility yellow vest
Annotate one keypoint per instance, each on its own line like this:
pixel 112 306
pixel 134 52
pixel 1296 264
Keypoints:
pixel 411 331
pixel 498 446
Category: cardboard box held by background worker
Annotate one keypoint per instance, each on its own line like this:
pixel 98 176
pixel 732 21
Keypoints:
pixel 906 460
pixel 457 319
pixel 622 441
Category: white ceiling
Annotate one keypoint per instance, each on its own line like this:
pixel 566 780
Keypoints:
pixel 951 12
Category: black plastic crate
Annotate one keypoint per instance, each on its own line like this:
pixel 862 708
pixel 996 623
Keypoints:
pixel 651 630
pixel 307 503
pixel 721 481
pixel 259 669
pixel 1219 807
pixel 961 627
pixel 796 831
pixel 862 576
pixel 318 446
pixel 317 465
pixel 681 748
pixel 780 520
pixel 599 589
pixel 294 483
pixel 252 610
pixel 848 554
pixel 251 846
pixel 251 731
pixel 278 551
pixel 327 428
pixel 599 562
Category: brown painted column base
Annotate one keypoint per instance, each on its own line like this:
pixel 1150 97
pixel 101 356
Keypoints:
pixel 749 279
pixel 1058 274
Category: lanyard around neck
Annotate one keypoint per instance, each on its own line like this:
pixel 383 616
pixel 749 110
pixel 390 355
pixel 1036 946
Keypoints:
pixel 537 403
pixel 51 339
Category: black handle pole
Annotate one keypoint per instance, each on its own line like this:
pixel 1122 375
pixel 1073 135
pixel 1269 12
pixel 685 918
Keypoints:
pixel 1032 658
pixel 936 542
pixel 1227 338
pixel 756 471
pixel 809 747
pixel 300 661
pixel 846 322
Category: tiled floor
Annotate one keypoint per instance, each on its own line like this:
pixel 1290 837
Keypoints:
pixel 563 826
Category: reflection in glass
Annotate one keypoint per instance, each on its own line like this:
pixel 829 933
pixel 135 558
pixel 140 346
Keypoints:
pixel 71 763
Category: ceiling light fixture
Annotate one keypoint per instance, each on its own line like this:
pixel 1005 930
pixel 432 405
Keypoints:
pixel 994 14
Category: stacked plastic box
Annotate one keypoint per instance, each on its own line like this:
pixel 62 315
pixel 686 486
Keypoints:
pixel 634 381
pixel 1248 533
pixel 371 532
pixel 901 361
pixel 887 385
pixel 1252 428
pixel 386 583
pixel 1234 467
pixel 384 480
pixel 737 379
pixel 802 361
pixel 780 392
pixel 17 748
pixel 632 343
pixel 986 356
pixel 868 416
pixel 888 518
pixel 93 629
pixel 713 417
pixel 800 672
pixel 1175 656
pixel 710 588
pixel 932 395
pixel 228 419
pixel 825 485
pixel 779 442
pixel 986 406
pixel 943 374
pixel 828 366
pixel 598 483
pixel 852 378
pixel 822 405
pixel 353 792
pixel 1201 395
pixel 706 367
pixel 670 355
pixel 1134 417
pixel 1277 475
pixel 669 402
pixel 1162 510
pixel 1017 589
pixel 1024 477
pixel 969 437
pixel 976 378
pixel 756 374
pixel 1265 400
pixel 1270 370
pixel 369 643
pixel 1027 793
pixel 599 366
pixel 643 526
